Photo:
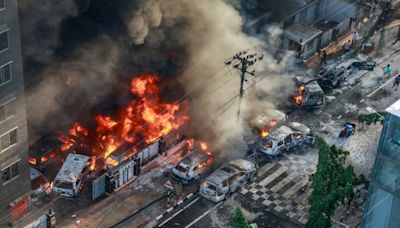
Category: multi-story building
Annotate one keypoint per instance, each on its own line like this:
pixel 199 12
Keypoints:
pixel 14 168
pixel 383 204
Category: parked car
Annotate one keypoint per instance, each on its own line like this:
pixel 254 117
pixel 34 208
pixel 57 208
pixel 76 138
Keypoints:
pixel 192 166
pixel 226 180
pixel 283 138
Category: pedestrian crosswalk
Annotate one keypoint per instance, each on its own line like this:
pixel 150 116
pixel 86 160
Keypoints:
pixel 283 187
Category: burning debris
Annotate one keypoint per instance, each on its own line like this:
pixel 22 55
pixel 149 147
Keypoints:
pixel 144 120
pixel 299 97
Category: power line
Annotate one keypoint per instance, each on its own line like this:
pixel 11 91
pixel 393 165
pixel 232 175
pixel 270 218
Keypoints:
pixel 225 110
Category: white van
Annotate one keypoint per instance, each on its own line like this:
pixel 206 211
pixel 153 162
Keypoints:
pixel 283 138
pixel 228 179
pixel 192 166
pixel 69 179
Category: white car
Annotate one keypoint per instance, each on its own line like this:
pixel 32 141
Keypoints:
pixel 192 166
pixel 284 138
pixel 226 180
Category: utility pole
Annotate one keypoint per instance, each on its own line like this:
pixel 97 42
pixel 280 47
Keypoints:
pixel 241 61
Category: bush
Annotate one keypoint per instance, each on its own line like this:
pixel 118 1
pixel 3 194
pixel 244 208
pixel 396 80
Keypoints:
pixel 372 118
pixel 238 220
pixel 332 183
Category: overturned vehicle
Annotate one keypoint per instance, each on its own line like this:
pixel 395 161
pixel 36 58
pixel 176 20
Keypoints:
pixel 283 138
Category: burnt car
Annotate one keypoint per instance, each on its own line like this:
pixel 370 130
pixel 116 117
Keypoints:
pixel 228 179
pixel 192 166
pixel 309 94
pixel 284 138
pixel 334 75
pixel 267 119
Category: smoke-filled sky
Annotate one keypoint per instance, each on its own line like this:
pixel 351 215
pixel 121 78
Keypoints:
pixel 79 55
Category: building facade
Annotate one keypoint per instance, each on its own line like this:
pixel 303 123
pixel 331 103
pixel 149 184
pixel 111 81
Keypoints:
pixel 15 184
pixel 383 203
pixel 320 22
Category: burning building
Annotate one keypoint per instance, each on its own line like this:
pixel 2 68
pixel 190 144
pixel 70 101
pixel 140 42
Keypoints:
pixel 121 145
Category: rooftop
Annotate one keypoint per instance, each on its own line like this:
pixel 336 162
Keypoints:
pixel 301 33
pixel 394 109
pixel 72 168
pixel 193 158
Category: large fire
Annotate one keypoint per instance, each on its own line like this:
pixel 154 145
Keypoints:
pixel 299 97
pixel 144 120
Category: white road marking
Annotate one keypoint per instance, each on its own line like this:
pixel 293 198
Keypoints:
pixel 273 176
pixel 294 189
pixel 265 168
pixel 282 183
pixel 180 211
pixel 204 214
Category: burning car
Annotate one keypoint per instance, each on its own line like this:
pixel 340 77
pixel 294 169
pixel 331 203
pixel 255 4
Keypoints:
pixel 267 119
pixel 309 94
pixel 226 180
pixel 283 138
pixel 192 166
pixel 68 181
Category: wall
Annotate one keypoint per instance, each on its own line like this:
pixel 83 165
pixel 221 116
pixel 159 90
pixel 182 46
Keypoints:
pixel 15 88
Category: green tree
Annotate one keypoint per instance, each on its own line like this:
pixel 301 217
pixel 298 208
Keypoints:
pixel 372 118
pixel 332 183
pixel 238 220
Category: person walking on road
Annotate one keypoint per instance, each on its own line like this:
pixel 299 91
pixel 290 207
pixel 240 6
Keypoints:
pixel 397 37
pixel 354 38
pixel 388 70
pixel 396 82
pixel 324 57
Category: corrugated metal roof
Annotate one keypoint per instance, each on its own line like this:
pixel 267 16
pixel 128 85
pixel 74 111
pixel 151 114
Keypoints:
pixel 301 33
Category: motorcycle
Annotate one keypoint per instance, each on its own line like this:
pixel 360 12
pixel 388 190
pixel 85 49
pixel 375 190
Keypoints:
pixel 345 133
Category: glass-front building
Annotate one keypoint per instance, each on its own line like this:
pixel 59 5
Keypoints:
pixel 383 204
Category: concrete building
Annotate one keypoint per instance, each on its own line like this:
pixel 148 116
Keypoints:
pixel 383 203
pixel 15 177
pixel 316 25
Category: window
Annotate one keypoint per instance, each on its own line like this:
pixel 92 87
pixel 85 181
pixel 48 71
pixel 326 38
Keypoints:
pixel 5 73
pixel 9 139
pixel 3 40
pixel 7 110
pixel 10 172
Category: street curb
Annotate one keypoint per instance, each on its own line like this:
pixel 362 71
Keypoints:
pixel 180 202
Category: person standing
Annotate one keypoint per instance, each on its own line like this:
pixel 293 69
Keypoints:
pixel 388 70
pixel 354 38
pixel 396 82
pixel 397 37
pixel 324 57
pixel 347 46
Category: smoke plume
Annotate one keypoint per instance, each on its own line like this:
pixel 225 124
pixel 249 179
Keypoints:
pixel 88 51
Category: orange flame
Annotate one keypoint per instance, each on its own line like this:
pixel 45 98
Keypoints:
pixel 93 163
pixel 299 97
pixel 32 161
pixel 264 133
pixel 145 118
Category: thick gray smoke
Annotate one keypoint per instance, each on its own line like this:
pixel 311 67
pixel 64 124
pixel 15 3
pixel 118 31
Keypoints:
pixel 187 39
